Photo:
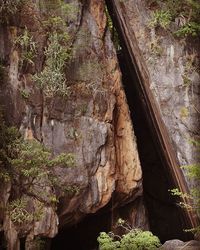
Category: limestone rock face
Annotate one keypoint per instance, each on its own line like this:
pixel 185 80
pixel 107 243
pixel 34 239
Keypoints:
pixel 170 66
pixel 92 123
pixel 167 79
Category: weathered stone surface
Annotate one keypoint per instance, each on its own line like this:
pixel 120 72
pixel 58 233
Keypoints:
pixel 178 244
pixel 93 123
pixel 168 81
pixel 177 59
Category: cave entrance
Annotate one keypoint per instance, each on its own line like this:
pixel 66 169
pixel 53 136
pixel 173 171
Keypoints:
pixel 161 172
pixel 83 235
pixel 166 219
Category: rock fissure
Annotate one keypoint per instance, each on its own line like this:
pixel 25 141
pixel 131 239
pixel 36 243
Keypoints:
pixel 134 73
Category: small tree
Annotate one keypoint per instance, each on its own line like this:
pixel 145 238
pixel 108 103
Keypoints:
pixel 29 167
pixel 134 239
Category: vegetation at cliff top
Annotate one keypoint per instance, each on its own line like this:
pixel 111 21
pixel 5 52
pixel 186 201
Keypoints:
pixel 185 13
pixel 133 239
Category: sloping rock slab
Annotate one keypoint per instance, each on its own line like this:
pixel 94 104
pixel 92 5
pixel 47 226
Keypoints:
pixel 180 245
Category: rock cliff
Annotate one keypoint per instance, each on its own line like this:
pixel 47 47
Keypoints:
pixel 92 122
pixel 61 85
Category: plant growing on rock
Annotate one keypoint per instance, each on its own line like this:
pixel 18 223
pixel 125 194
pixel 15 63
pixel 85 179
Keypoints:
pixel 52 78
pixel 184 13
pixel 189 29
pixel 134 239
pixel 9 8
pixel 160 18
pixel 27 47
pixel 29 167
pixel 18 212
pixel 193 173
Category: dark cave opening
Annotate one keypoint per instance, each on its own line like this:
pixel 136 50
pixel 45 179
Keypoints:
pixel 165 217
pixel 83 235
pixel 3 242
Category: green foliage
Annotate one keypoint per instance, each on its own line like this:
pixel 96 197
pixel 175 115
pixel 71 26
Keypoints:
pixel 155 47
pixel 24 93
pixel 59 8
pixel 193 173
pixel 29 166
pixel 18 212
pixel 185 13
pixel 54 23
pixel 161 18
pixel 134 239
pixel 37 243
pixel 71 190
pixel 106 242
pixel 184 112
pixel 52 79
pixel 186 80
pixel 137 239
pixel 32 162
pixel 114 33
pixel 189 29
pixel 27 47
pixel 9 8
pixel 8 137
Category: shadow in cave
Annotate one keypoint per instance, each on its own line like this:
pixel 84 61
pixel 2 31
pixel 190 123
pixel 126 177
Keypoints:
pixel 83 236
pixel 166 219
pixel 164 215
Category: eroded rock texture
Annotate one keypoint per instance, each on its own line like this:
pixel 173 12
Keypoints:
pixel 164 70
pixel 92 123
pixel 170 65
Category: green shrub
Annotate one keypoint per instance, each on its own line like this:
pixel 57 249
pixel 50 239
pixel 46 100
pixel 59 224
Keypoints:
pixel 21 212
pixel 161 18
pixel 18 211
pixel 52 79
pixel 27 48
pixel 106 242
pixel 8 8
pixel 24 93
pixel 193 198
pixel 33 161
pixel 189 29
pixel 134 239
pixel 186 14
pixel 29 167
